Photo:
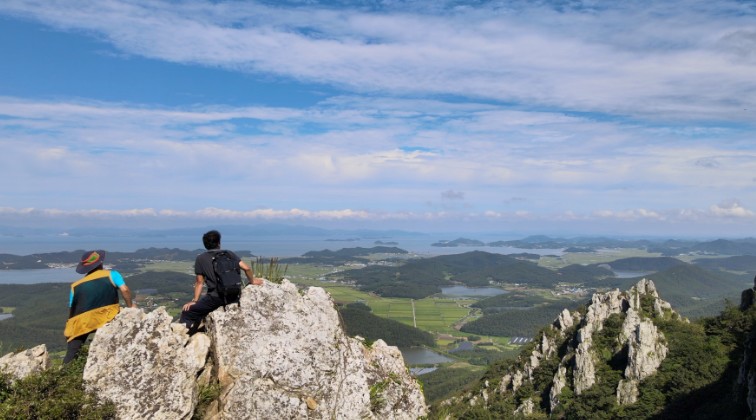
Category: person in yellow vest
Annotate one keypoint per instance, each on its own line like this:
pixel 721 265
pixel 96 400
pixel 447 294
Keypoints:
pixel 93 300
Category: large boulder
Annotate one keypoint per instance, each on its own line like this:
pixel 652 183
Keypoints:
pixel 22 364
pixel 279 354
pixel 147 366
pixel 285 354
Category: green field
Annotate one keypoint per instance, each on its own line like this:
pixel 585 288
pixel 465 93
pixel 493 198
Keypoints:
pixel 177 266
pixel 435 315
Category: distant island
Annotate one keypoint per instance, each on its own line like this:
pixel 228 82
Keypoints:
pixel 387 243
pixel 459 242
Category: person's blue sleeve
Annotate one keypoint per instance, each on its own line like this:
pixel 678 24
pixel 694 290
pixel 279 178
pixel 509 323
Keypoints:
pixel 117 278
pixel 70 298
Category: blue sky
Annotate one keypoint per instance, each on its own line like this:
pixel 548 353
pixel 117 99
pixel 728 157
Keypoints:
pixel 625 118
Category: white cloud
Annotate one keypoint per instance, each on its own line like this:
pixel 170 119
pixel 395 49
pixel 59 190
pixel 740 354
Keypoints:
pixel 682 59
pixel 731 208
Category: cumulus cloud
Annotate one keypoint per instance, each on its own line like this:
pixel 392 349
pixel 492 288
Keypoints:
pixel 731 208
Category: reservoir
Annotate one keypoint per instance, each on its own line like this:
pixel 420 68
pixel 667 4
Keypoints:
pixel 39 275
pixel 630 274
pixel 464 291
pixel 422 356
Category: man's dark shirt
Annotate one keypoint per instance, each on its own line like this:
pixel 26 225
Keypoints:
pixel 203 265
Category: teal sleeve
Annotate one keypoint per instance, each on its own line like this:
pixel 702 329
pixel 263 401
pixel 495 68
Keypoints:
pixel 70 298
pixel 117 278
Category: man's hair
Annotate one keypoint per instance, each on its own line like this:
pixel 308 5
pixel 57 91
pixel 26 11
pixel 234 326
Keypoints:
pixel 211 239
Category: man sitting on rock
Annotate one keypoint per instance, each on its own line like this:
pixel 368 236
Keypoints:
pixel 93 300
pixel 195 311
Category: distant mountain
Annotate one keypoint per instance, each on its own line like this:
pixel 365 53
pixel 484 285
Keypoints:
pixel 745 263
pixel 728 247
pixel 342 256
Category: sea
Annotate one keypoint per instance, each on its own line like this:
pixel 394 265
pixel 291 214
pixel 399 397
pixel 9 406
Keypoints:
pixel 281 247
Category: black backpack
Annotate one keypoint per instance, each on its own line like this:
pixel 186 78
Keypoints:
pixel 228 280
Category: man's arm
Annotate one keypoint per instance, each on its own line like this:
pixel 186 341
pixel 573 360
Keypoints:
pixel 250 275
pixel 198 284
pixel 126 292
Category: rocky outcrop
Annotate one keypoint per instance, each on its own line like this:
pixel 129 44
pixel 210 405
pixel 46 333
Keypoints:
pixel 279 354
pixel 746 382
pixel 22 364
pixel 147 366
pixel 569 345
pixel 557 385
pixel 645 345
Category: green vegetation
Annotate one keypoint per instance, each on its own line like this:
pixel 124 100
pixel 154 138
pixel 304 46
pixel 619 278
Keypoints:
pixel 645 263
pixel 516 299
pixel 445 382
pixel 39 317
pixel 270 270
pixel 697 379
pixel 424 277
pixel 57 393
pixel 207 394
pixel 359 321
pixel 740 263
pixel 518 322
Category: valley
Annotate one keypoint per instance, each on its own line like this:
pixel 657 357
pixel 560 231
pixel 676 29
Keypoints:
pixel 470 308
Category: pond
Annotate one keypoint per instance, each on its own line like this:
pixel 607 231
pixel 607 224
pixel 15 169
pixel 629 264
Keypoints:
pixel 39 275
pixel 630 274
pixel 5 316
pixel 422 356
pixel 464 291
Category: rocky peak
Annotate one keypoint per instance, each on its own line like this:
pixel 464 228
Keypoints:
pixel 281 353
pixel 569 343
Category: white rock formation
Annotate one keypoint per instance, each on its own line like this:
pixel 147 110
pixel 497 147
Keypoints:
pixel 526 408
pixel 280 354
pixel 557 385
pixel 22 364
pixel 645 345
pixel 147 366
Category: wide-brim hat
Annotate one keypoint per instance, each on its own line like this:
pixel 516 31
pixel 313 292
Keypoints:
pixel 90 260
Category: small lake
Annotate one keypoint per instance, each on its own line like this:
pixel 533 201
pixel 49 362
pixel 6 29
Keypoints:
pixel 463 291
pixel 422 356
pixel 39 275
pixel 630 274
pixel 421 371
pixel 5 316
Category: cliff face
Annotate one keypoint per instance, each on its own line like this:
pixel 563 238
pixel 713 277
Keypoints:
pixel 568 353
pixel 280 354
